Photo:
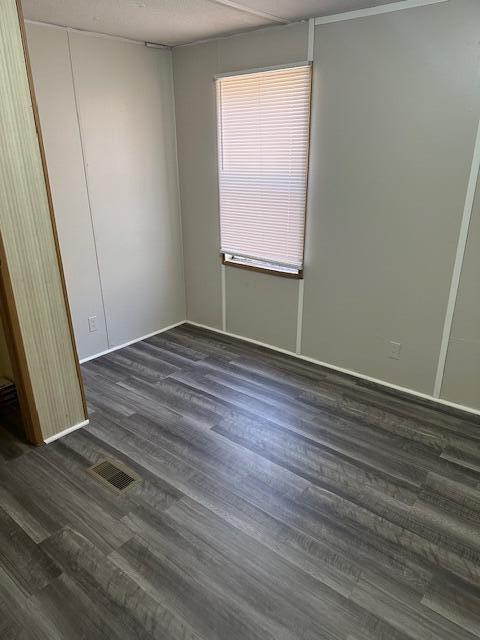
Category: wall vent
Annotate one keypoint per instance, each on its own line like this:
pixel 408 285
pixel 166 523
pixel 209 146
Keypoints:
pixel 114 475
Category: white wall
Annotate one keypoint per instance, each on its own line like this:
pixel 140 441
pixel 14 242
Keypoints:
pixel 113 172
pixel 396 103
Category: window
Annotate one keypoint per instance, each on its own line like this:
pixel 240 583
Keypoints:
pixel 263 138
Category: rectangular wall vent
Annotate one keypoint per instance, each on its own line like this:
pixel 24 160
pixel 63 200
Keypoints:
pixel 114 475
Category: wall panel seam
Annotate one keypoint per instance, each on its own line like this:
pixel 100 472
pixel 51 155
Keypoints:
pixel 458 264
pixel 179 195
pixel 85 173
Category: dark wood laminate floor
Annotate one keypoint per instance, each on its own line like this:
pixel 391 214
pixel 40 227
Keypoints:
pixel 279 501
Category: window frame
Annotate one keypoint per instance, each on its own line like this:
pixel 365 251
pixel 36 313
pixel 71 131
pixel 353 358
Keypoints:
pixel 264 266
pixel 260 266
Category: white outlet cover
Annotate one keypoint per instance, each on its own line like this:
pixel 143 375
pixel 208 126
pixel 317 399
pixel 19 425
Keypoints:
pixel 395 349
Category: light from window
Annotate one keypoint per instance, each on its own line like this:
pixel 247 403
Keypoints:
pixel 263 139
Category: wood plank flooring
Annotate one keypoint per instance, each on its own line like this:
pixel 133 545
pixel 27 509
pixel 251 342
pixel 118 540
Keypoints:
pixel 279 501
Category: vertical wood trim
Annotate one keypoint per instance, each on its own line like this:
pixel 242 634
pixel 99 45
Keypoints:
pixel 224 299
pixel 457 268
pixel 36 117
pixel 301 283
pixel 16 350
pixel 311 39
pixel 298 347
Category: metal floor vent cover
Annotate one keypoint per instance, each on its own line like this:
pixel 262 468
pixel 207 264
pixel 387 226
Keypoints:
pixel 114 474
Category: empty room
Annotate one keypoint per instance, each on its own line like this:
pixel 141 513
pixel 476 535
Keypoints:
pixel 240 320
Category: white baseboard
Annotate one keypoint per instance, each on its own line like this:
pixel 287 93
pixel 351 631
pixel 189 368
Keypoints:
pixel 65 432
pixel 127 344
pixel 356 374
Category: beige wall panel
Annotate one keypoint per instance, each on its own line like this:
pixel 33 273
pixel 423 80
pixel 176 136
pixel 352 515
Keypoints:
pixel 127 121
pixel 264 48
pixel 262 307
pixel 395 110
pixel 193 70
pixel 28 238
pixel 49 54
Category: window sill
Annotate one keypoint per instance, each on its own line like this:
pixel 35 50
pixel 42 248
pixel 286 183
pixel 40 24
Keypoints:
pixel 237 263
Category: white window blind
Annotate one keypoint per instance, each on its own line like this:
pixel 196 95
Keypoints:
pixel 263 139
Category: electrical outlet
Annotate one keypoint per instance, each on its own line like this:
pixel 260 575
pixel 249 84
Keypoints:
pixel 395 349
pixel 92 324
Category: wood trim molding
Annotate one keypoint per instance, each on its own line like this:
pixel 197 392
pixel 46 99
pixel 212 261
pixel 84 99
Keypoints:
pixel 36 116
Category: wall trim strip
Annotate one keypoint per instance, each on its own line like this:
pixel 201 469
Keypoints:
pixel 65 432
pixel 301 283
pixel 127 344
pixel 457 268
pixel 298 343
pixel 311 39
pixel 355 374
pixel 224 298
pixel 373 11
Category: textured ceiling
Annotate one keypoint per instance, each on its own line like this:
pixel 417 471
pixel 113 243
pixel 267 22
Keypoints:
pixel 176 22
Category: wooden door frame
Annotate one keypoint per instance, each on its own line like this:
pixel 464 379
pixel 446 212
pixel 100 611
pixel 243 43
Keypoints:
pixel 8 311
pixel 16 351
pixel 36 116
